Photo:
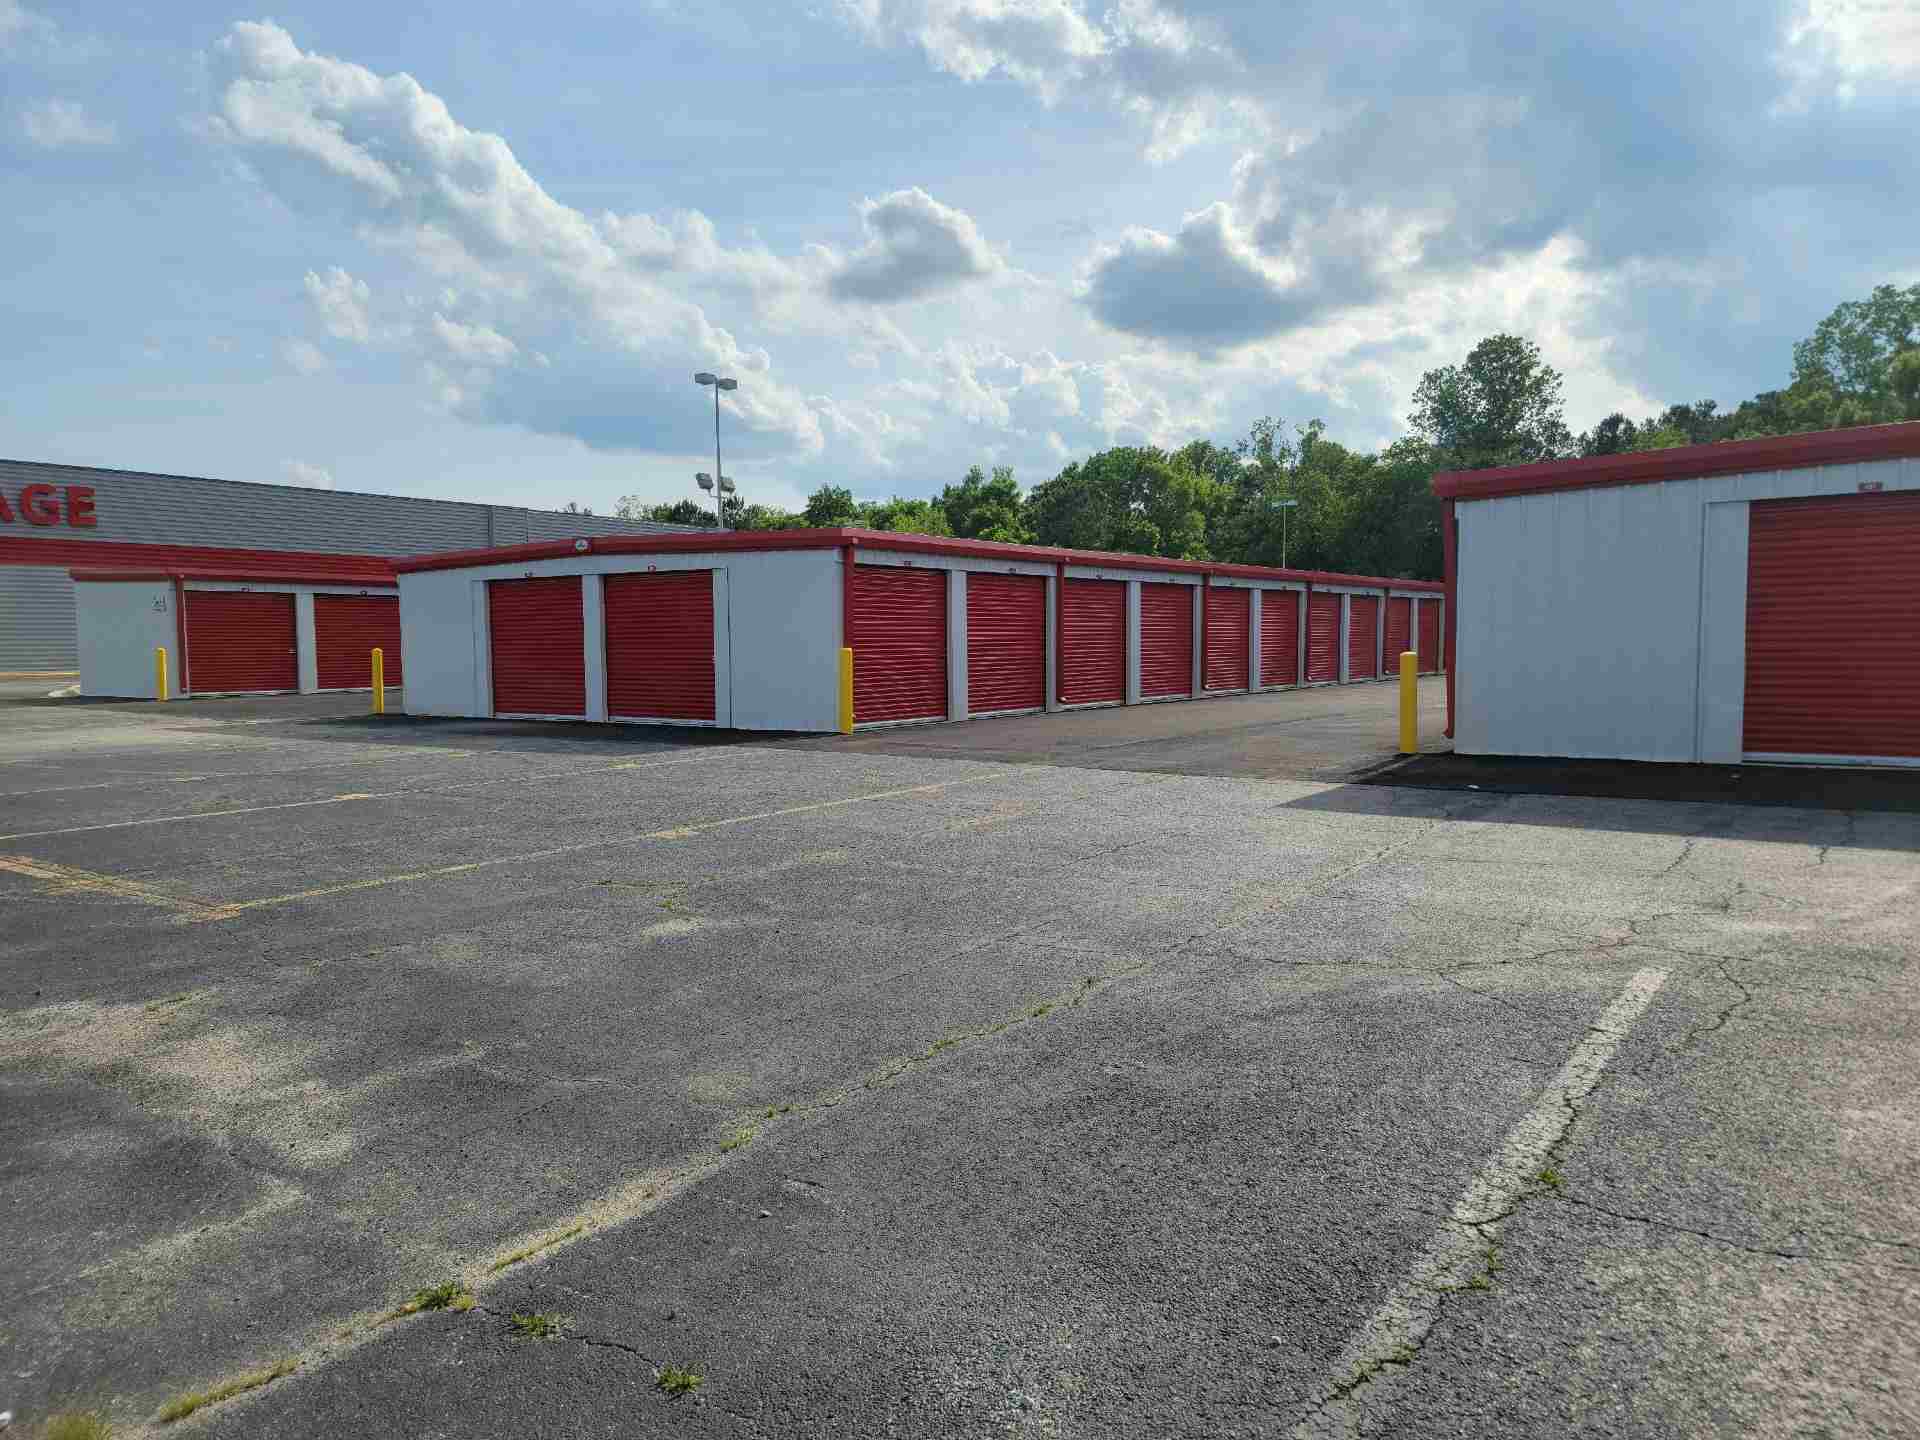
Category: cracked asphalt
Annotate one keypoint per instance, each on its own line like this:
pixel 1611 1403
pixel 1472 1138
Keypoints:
pixel 1044 1090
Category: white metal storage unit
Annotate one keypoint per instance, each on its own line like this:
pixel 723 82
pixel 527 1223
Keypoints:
pixel 745 629
pixel 1744 602
pixel 232 632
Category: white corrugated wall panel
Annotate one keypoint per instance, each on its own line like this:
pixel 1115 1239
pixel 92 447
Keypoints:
pixel 1579 626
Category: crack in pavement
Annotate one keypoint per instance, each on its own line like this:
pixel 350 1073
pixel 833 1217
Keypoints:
pixel 1746 1246
pixel 1726 1012
pixel 1463 1253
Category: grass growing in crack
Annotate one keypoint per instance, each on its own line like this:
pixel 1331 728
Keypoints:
pixel 171 1000
pixel 534 1249
pixel 676 1380
pixel 448 1295
pixel 1552 1179
pixel 740 1137
pixel 773 1110
pixel 181 1406
pixel 536 1325
pixel 76 1424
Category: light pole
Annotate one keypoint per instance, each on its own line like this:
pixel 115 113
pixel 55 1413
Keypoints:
pixel 705 482
pixel 719 478
pixel 1284 506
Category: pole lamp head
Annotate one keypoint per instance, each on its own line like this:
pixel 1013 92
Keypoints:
pixel 726 485
pixel 703 480
pixel 705 377
pixel 728 384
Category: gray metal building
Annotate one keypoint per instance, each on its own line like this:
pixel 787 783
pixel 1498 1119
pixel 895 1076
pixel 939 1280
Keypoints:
pixel 55 517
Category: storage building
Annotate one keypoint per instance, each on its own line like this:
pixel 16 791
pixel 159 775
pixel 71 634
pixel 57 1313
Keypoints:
pixel 56 517
pixel 1751 601
pixel 744 629
pixel 234 631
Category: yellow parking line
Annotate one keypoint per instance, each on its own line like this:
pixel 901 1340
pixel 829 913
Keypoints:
pixel 66 880
pixel 681 832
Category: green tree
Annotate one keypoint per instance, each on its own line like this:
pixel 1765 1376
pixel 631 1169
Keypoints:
pixel 914 517
pixel 983 508
pixel 761 517
pixel 1612 436
pixel 1903 375
pixel 677 512
pixel 1133 499
pixel 1855 347
pixel 1502 406
pixel 831 505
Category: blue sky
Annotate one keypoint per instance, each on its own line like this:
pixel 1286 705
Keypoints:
pixel 476 251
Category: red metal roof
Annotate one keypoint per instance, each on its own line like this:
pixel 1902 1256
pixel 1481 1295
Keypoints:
pixel 1687 462
pixel 833 539
pixel 244 577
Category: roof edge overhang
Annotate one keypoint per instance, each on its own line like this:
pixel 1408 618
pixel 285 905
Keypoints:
pixel 839 538
pixel 1860 444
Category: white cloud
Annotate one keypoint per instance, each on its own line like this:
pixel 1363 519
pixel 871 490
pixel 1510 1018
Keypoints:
pixel 586 292
pixel 314 477
pixel 474 344
pixel 304 356
pixel 342 303
pixel 58 124
pixel 915 246
pixel 1163 67
pixel 1846 45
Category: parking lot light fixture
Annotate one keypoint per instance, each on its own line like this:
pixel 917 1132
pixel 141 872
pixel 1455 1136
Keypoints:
pixel 719 383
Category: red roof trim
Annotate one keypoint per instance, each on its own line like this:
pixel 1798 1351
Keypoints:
pixel 1687 462
pixel 830 539
pixel 64 554
pixel 259 577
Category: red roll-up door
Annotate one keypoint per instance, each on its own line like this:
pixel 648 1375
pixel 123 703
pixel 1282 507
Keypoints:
pixel 1363 638
pixel 1093 642
pixel 899 643
pixel 1166 639
pixel 1429 635
pixel 1833 627
pixel 1006 642
pixel 1323 637
pixel 1229 634
pixel 1399 631
pixel 538 646
pixel 1279 637
pixel 241 640
pixel 660 645
pixel 346 628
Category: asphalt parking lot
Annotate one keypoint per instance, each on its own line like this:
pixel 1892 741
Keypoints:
pixel 951 1082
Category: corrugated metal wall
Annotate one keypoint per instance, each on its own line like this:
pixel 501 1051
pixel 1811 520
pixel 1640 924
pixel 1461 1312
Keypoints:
pixel 1610 623
pixel 37 624
pixel 38 627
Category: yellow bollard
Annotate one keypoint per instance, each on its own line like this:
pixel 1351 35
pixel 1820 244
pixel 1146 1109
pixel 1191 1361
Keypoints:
pixel 379 681
pixel 1409 702
pixel 160 672
pixel 846 691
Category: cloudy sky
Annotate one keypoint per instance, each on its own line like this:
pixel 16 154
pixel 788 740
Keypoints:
pixel 476 250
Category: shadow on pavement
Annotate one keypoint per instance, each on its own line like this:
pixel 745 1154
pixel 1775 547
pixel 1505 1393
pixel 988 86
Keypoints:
pixel 1651 789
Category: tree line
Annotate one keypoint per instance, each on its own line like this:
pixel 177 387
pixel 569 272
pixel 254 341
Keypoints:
pixel 1293 495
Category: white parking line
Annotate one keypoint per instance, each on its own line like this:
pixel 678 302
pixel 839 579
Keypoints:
pixel 524 779
pixel 678 832
pixel 1458 1252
